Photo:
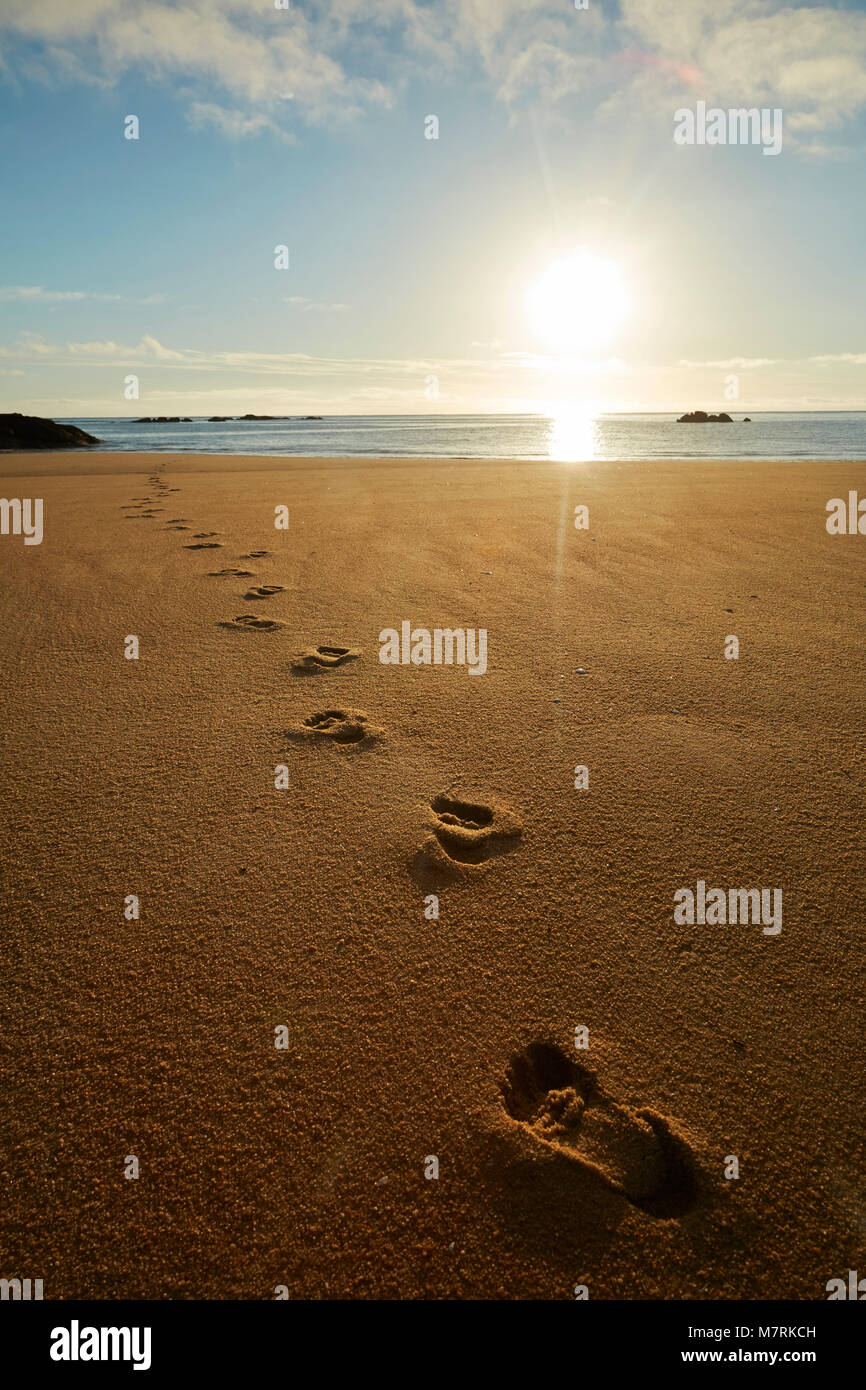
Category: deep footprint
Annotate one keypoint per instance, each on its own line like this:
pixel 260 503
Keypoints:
pixel 323 658
pixel 343 726
pixel 634 1152
pixel 240 574
pixel 264 591
pixel 255 554
pixel 205 545
pixel 249 620
pixel 466 832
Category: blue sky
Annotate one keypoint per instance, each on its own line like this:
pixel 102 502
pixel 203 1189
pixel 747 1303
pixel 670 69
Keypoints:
pixel 410 258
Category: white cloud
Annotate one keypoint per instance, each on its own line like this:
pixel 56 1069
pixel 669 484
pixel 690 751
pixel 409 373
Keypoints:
pixel 253 53
pixel 741 364
pixel 236 125
pixel 32 348
pixel 243 58
pixel 312 306
pixel 856 359
pixel 808 60
pixel 37 294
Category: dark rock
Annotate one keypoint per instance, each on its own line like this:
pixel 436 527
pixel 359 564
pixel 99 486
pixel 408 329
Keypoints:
pixel 32 432
pixel 312 417
pixel 219 419
pixel 746 420
pixel 700 417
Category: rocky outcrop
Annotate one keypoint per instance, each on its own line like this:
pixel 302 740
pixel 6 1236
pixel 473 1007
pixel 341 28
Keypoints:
pixel 700 417
pixel 32 432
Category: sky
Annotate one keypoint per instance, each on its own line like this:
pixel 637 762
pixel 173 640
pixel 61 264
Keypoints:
pixel 414 262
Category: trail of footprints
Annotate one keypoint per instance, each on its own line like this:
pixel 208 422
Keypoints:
pixel 636 1153
pixel 557 1104
pixel 315 659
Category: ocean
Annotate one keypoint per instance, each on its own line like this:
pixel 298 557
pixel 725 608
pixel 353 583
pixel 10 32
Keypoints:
pixel 567 436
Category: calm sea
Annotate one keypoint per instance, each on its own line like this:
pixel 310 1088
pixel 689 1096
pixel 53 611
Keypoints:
pixel 812 435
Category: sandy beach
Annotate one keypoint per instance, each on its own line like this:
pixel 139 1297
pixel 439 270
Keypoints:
pixel 302 906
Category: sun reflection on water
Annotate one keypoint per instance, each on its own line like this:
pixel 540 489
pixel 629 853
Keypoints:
pixel 573 435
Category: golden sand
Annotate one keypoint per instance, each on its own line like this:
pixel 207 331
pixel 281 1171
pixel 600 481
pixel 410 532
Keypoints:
pixel 302 905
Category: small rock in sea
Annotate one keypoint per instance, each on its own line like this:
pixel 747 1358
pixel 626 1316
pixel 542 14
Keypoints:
pixel 700 417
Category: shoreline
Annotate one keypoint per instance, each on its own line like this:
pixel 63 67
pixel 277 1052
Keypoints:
pixel 26 463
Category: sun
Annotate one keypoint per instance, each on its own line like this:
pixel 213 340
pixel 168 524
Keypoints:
pixel 578 303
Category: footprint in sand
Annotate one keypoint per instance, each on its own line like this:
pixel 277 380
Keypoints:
pixel 171 527
pixel 205 545
pixel 203 535
pixel 343 726
pixel 314 659
pixel 466 832
pixel 240 574
pixel 264 591
pixel 255 554
pixel 173 520
pixel 249 620
pixel 637 1153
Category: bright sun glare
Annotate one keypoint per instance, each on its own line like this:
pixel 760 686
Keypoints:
pixel 578 303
